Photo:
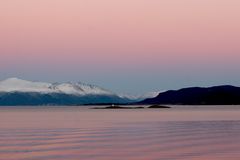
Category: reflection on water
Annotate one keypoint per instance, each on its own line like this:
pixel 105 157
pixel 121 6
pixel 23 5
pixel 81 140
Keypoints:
pixel 153 139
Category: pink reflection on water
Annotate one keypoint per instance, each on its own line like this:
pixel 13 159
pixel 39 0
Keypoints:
pixel 76 133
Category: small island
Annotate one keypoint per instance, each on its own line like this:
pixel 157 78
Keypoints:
pixel 117 107
pixel 120 107
pixel 158 107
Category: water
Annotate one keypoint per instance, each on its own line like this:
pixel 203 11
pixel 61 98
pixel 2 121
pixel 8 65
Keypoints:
pixel 72 133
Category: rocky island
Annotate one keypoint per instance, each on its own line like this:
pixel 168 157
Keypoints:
pixel 158 106
pixel 117 107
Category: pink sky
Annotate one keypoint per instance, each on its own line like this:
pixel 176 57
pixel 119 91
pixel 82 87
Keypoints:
pixel 54 37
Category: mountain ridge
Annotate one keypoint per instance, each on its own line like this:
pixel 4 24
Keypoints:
pixel 19 85
pixel 14 91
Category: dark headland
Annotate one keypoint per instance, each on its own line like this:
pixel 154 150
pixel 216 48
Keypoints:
pixel 219 95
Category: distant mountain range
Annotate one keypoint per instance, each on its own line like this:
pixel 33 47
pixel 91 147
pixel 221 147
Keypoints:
pixel 219 95
pixel 15 91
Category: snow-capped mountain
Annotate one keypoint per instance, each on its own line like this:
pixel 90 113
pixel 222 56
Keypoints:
pixel 14 91
pixel 19 85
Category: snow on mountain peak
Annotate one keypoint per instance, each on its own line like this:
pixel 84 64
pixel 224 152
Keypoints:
pixel 15 84
pixel 19 85
pixel 14 81
pixel 80 89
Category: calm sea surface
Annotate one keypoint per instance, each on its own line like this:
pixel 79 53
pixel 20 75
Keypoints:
pixel 80 133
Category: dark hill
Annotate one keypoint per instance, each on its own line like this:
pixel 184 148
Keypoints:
pixel 219 95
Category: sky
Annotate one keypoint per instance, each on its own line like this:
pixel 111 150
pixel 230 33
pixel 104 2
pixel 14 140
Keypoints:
pixel 128 46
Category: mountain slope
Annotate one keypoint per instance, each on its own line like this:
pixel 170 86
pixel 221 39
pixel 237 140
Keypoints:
pixel 219 95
